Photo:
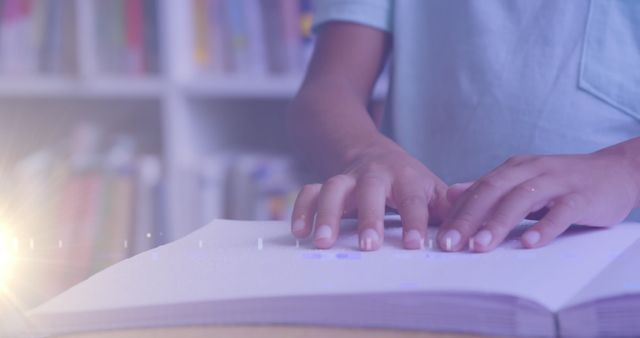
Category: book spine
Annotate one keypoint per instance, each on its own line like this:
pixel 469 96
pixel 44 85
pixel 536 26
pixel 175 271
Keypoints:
pixel 40 9
pixel 120 245
pixel 67 61
pixel 53 50
pixel 148 180
pixel 117 36
pixel 89 197
pixel 255 35
pixel 26 61
pixel 290 16
pixel 3 8
pixel 159 217
pixel 104 226
pixel 241 190
pixel 213 188
pixel 152 28
pixel 134 36
pixel 101 11
pixel 217 37
pixel 237 36
pixel 273 28
pixel 306 26
pixel 10 13
pixel 202 49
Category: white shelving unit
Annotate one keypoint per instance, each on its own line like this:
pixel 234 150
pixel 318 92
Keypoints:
pixel 185 114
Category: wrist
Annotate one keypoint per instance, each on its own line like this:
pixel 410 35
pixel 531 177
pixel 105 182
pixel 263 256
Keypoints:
pixel 634 162
pixel 367 144
pixel 629 155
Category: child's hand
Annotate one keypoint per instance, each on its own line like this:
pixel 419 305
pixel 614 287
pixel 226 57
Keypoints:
pixel 381 175
pixel 598 189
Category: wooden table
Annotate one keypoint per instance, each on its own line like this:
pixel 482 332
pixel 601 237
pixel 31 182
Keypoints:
pixel 266 331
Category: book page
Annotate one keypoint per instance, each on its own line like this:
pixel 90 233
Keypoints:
pixel 620 278
pixel 230 260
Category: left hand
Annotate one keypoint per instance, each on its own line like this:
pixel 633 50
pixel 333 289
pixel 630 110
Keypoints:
pixel 597 189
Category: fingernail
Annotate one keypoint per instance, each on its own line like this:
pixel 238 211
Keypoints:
pixel 323 233
pixel 368 239
pixel 451 238
pixel 413 239
pixel 483 237
pixel 298 226
pixel 531 237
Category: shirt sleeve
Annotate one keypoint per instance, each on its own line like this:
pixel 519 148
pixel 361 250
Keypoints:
pixel 373 13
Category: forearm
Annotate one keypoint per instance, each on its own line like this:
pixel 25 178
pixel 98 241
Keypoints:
pixel 328 124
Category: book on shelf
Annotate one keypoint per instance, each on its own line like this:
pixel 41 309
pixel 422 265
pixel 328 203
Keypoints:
pixel 252 37
pixel 584 284
pixel 249 186
pixel 128 37
pixel 37 37
pixel 94 197
pixel 149 223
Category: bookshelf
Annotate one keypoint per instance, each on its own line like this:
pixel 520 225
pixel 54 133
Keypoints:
pixel 177 110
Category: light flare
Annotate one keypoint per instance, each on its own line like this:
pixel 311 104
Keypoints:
pixel 9 247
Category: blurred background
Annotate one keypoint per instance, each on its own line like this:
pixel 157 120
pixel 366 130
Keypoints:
pixel 126 124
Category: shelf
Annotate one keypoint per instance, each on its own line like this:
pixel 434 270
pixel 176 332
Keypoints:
pixel 245 87
pixel 262 87
pixel 236 87
pixel 36 87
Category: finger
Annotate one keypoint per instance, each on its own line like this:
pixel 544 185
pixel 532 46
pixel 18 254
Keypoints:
pixel 564 212
pixel 456 191
pixel 350 210
pixel 510 211
pixel 413 207
pixel 474 206
pixel 304 210
pixel 349 213
pixel 331 205
pixel 370 199
pixel 439 206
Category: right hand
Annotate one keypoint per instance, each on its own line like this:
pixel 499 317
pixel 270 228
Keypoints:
pixel 379 176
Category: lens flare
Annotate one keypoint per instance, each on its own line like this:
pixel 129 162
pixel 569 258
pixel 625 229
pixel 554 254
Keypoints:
pixel 8 251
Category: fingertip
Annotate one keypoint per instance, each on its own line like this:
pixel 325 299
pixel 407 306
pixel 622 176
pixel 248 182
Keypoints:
pixel 450 240
pixel 299 228
pixel 413 240
pixel 481 241
pixel 324 237
pixel 531 239
pixel 369 240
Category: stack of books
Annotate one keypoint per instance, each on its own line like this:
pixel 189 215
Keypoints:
pixel 37 37
pixel 127 36
pixel 253 37
pixel 93 199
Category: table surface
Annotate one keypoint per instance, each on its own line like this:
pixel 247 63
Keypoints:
pixel 267 331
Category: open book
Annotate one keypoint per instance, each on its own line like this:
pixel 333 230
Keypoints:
pixel 586 283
